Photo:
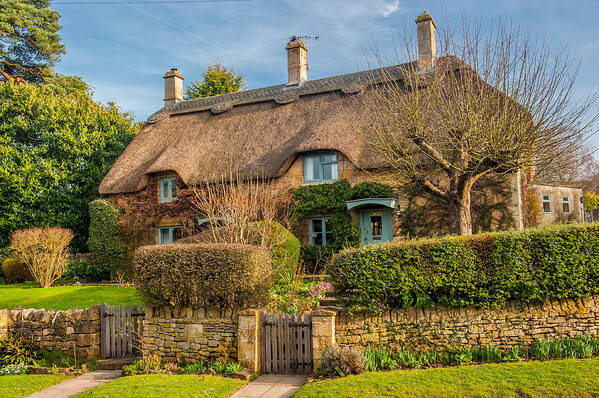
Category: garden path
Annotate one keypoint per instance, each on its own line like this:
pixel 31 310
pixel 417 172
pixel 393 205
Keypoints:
pixel 271 386
pixel 78 384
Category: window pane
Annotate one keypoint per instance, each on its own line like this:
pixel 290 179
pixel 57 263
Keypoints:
pixel 376 224
pixel 176 233
pixel 327 172
pixel 329 231
pixel 546 207
pixel 164 183
pixel 163 236
pixel 329 158
pixel 311 168
pixel 316 237
pixel 173 190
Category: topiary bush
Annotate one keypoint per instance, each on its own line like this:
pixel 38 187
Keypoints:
pixel 15 271
pixel 483 270
pixel 202 273
pixel 104 243
pixel 338 362
pixel 283 246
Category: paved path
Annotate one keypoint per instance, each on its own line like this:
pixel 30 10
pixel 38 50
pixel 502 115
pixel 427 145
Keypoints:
pixel 77 384
pixel 271 386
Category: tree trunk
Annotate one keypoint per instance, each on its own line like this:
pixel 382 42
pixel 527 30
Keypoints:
pixel 460 215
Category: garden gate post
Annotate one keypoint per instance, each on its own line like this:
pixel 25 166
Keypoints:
pixel 323 333
pixel 248 339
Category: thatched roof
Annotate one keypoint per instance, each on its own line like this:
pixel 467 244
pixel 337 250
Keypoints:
pixel 254 132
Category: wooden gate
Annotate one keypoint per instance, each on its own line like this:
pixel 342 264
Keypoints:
pixel 286 343
pixel 121 330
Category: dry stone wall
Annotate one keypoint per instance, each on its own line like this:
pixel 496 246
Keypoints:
pixel 66 331
pixel 186 334
pixel 433 328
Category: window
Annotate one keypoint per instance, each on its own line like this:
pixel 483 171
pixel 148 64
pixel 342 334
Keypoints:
pixel 321 167
pixel 566 204
pixel 168 189
pixel 321 231
pixel 168 235
pixel 546 203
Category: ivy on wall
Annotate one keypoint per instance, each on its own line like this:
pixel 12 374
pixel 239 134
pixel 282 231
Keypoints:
pixel 332 198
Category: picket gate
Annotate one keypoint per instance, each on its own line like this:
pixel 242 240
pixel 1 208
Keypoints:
pixel 286 343
pixel 121 330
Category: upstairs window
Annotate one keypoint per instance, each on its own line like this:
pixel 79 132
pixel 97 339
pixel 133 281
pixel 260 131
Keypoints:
pixel 167 235
pixel 321 167
pixel 168 189
pixel 321 231
pixel 566 204
pixel 546 203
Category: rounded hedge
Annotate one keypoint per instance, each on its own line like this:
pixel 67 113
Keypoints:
pixel 284 246
pixel 15 271
pixel 483 270
pixel 202 273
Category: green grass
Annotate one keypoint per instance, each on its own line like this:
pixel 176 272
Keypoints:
pixel 65 297
pixel 571 377
pixel 23 385
pixel 172 386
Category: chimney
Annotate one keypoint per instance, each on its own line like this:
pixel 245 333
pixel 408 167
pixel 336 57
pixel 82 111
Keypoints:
pixel 173 87
pixel 427 46
pixel 297 62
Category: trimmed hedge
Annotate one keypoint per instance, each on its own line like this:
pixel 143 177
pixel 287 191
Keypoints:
pixel 15 271
pixel 483 270
pixel 202 273
pixel 104 243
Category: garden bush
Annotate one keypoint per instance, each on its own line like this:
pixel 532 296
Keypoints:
pixel 15 271
pixel 104 241
pixel 483 270
pixel 341 361
pixel 284 247
pixel 195 274
pixel 82 269
pixel 44 250
pixel 16 348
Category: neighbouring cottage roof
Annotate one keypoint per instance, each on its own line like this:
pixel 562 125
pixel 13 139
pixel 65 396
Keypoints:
pixel 253 132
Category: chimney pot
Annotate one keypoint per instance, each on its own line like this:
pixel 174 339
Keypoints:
pixel 297 62
pixel 173 87
pixel 427 45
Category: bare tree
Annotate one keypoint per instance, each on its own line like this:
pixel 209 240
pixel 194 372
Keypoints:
pixel 498 101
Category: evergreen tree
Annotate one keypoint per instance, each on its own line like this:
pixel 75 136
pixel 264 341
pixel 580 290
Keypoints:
pixel 216 80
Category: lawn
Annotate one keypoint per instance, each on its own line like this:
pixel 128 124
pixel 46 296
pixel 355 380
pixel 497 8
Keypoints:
pixel 23 385
pixel 572 377
pixel 172 386
pixel 65 297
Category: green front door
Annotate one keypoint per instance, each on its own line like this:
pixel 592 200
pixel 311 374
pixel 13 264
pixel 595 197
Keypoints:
pixel 376 226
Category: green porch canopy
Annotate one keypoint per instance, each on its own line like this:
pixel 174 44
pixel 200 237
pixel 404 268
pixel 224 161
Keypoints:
pixel 380 202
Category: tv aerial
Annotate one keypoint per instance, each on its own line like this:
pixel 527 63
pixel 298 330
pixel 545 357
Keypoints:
pixel 304 37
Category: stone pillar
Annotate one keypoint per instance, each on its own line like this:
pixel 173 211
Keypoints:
pixel 323 333
pixel 248 339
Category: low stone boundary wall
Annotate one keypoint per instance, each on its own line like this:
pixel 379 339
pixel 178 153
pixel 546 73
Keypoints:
pixel 433 328
pixel 65 330
pixel 186 334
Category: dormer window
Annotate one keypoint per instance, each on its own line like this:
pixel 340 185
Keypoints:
pixel 168 189
pixel 321 167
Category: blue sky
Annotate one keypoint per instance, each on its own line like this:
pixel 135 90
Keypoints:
pixel 123 50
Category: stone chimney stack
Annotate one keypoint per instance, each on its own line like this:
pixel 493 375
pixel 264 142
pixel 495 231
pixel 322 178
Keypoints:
pixel 427 46
pixel 297 62
pixel 173 87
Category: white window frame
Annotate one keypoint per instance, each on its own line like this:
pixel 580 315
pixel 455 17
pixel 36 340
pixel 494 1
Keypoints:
pixel 566 200
pixel 546 199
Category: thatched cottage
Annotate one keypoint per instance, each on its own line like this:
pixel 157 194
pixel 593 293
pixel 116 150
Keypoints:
pixel 302 131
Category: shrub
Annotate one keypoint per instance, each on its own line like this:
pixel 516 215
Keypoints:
pixel 190 274
pixel 195 368
pixel 13 370
pixel 16 348
pixel 84 270
pixel 104 242
pixel 337 361
pixel 283 246
pixel 44 250
pixel 483 270
pixel 15 271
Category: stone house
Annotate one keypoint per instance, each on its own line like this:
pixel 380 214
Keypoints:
pixel 302 132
